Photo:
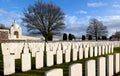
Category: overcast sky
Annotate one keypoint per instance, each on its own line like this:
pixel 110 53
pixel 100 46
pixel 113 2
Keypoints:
pixel 77 13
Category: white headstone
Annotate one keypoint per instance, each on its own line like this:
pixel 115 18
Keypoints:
pixel 80 53
pixel 117 62
pixel 47 47
pixel 5 49
pixel 112 48
pixel 67 55
pixel 69 48
pixel 12 48
pixel 90 69
pixel 106 49
pixel 101 67
pixel 33 48
pixel 59 57
pixel 91 51
pixel 26 61
pixel 75 70
pixel 15 49
pixel 54 49
pixel 41 47
pixel 49 55
pixel 63 47
pixel 39 59
pixel 18 50
pixel 9 64
pixel 59 47
pixel 25 50
pixel 86 49
pixel 103 50
pixel 54 72
pixel 109 49
pixel 110 65
pixel 74 53
pixel 99 53
pixel 95 51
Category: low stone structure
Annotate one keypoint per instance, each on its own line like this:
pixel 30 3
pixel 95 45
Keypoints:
pixel 4 34
pixel 14 33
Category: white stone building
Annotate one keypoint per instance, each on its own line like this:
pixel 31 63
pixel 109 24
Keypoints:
pixel 15 32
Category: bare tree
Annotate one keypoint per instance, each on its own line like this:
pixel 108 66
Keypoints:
pixel 44 18
pixel 96 29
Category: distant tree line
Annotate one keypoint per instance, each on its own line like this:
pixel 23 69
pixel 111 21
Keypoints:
pixel 68 37
pixel 91 38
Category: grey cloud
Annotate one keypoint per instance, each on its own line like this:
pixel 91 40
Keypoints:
pixel 112 23
pixel 77 31
pixel 112 27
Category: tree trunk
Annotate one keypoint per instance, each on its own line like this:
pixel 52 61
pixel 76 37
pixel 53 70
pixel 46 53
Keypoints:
pixel 96 37
pixel 46 38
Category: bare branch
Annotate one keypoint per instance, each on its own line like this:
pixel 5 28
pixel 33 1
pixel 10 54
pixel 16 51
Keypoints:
pixel 45 18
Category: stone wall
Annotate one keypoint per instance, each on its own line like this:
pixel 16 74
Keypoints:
pixel 4 34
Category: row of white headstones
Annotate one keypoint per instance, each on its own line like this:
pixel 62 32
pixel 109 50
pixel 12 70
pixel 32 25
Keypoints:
pixel 106 66
pixel 24 50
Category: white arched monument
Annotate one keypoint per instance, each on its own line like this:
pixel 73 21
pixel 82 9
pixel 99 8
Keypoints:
pixel 15 31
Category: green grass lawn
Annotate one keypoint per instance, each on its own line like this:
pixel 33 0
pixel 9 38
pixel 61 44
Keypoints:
pixel 41 71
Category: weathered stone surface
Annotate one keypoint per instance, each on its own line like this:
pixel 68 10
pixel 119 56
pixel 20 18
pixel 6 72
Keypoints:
pixel 67 55
pixel 101 67
pixel 95 51
pixel 80 53
pixel 9 64
pixel 55 48
pixel 91 51
pixel 110 71
pixel 5 49
pixel 103 50
pixel 18 50
pixel 54 72
pixel 26 61
pixel 112 48
pixel 59 47
pixel 117 62
pixel 25 50
pixel 59 57
pixel 90 69
pixel 49 55
pixel 4 34
pixel 75 53
pixel 12 48
pixel 39 59
pixel 109 49
pixel 99 50
pixel 41 46
pixel 86 52
pixel 106 49
pixel 75 70
pixel 33 48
